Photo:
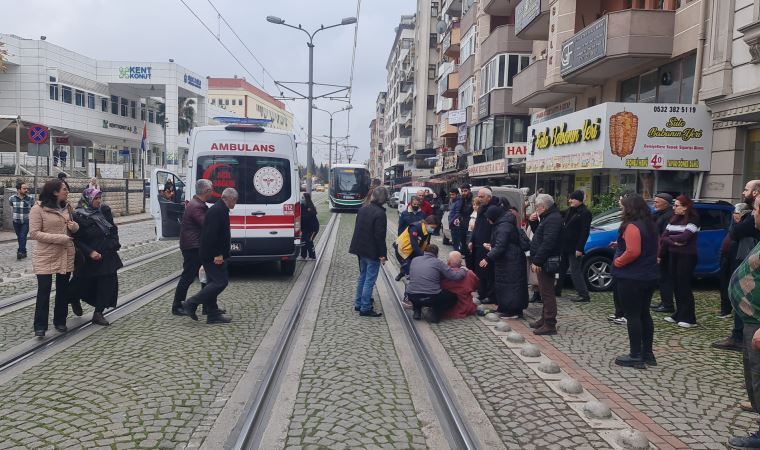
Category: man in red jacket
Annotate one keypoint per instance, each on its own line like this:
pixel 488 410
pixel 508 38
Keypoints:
pixel 463 289
pixel 425 206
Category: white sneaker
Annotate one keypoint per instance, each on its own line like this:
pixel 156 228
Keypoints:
pixel 669 319
pixel 611 317
pixel 725 316
pixel 621 321
pixel 686 325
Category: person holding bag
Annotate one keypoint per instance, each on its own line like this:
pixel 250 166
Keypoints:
pixel 51 225
pixel 545 250
pixel 98 243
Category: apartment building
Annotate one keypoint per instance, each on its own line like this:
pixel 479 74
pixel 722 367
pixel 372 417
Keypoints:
pixel 399 104
pixel 479 127
pixel 376 127
pixel 242 99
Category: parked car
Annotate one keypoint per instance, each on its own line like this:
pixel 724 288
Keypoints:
pixel 715 218
pixel 515 196
pixel 393 200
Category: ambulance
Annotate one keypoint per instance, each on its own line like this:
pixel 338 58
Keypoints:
pixel 262 165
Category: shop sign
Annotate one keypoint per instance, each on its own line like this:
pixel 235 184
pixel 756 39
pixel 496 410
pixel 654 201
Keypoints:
pixel 61 140
pixel 484 106
pixel 449 162
pixel 462 134
pixel 640 136
pixel 585 47
pixel 554 111
pixel 516 150
pixel 192 81
pixel 135 72
pixel 496 167
pixel 457 116
pixel 118 126
pixel 525 13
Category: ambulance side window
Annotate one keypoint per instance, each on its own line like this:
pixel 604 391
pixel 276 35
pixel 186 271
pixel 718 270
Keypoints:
pixel 270 181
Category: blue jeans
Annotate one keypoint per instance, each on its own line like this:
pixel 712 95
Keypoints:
pixel 22 230
pixel 368 270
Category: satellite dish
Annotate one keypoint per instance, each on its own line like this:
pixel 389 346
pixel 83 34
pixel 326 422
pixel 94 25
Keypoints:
pixel 441 27
pixel 459 150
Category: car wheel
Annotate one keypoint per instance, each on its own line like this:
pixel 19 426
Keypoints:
pixel 598 273
pixel 288 267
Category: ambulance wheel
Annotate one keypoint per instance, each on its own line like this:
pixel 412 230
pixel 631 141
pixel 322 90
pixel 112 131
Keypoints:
pixel 288 267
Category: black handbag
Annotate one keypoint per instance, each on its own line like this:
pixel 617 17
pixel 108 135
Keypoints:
pixel 551 265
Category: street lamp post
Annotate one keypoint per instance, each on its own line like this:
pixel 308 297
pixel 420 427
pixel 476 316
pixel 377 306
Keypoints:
pixel 310 44
pixel 329 151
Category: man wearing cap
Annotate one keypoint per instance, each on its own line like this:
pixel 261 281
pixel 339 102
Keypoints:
pixel 576 226
pixel 663 211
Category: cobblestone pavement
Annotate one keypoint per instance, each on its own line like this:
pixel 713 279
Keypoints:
pixel 693 391
pixel 353 393
pixel 16 327
pixel 150 380
pixel 691 395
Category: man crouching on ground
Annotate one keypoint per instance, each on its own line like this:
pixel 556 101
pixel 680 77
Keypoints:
pixel 463 289
pixel 424 288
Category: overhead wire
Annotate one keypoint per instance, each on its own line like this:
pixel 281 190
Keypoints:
pixel 297 129
pixel 353 64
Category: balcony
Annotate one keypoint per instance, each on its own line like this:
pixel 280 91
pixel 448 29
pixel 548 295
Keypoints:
pixel 453 8
pixel 528 88
pixel 532 20
pixel 503 40
pixel 452 85
pixel 451 41
pixel 618 43
pixel 444 128
pixel 500 7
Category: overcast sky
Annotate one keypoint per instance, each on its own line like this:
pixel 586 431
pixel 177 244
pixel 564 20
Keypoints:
pixel 157 30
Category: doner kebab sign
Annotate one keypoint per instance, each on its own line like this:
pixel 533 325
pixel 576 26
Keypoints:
pixel 642 136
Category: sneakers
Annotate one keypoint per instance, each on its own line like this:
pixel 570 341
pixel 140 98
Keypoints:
pixel 664 309
pixel 728 343
pixel 370 313
pixel 746 442
pixel 620 321
pixel 510 316
pixel 612 317
pixel 725 316
pixel 686 325
pixel 39 333
pixel 545 330
pixel 630 361
pixel 669 319
pixel 746 406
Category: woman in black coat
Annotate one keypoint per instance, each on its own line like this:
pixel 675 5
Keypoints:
pixel 97 261
pixel 309 226
pixel 510 265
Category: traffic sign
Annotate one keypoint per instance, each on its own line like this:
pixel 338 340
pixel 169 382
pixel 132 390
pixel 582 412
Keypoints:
pixel 37 134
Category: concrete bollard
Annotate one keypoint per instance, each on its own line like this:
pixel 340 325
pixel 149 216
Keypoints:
pixel 531 351
pixel 570 386
pixel 633 439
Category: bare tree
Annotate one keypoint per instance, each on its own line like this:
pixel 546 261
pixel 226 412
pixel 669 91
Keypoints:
pixel 3 57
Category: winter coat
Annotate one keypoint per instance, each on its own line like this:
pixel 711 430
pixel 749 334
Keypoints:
pixel 465 210
pixel 55 247
pixel 662 219
pixel 309 221
pixel 91 238
pixel 408 217
pixel 510 266
pixel 371 227
pixel 577 226
pixel 482 231
pixel 547 236
pixel 192 223
pixel 215 235
pixel 454 207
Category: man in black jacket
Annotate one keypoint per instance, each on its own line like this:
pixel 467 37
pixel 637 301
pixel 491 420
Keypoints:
pixel 481 234
pixel 663 211
pixel 461 223
pixel 545 249
pixel 576 228
pixel 368 243
pixel 214 253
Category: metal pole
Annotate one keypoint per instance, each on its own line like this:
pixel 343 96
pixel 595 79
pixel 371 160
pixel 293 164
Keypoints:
pixel 329 152
pixel 18 146
pixel 309 161
pixel 166 151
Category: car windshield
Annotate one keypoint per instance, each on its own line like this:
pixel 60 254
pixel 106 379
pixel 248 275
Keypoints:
pixel 607 221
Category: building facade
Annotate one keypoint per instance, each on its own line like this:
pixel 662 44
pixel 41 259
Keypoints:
pixel 243 99
pixel 96 110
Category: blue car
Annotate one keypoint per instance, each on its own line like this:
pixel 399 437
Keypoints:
pixel 715 219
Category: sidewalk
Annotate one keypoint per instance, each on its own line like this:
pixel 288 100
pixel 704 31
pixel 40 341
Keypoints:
pixel 9 236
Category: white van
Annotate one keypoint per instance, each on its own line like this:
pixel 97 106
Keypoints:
pixel 405 195
pixel 261 164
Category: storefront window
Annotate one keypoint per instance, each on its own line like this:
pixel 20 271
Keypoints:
pixel 687 85
pixel 752 155
pixel 671 83
pixel 648 87
pixel 670 88
pixel 675 183
pixel 629 90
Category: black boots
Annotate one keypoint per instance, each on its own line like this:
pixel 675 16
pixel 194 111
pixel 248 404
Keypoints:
pixel 99 319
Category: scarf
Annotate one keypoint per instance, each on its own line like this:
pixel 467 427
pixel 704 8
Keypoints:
pixel 86 209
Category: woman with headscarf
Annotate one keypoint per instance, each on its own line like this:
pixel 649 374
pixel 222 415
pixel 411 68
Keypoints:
pixel 98 261
pixel 510 265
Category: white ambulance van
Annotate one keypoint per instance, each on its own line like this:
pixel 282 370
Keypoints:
pixel 262 165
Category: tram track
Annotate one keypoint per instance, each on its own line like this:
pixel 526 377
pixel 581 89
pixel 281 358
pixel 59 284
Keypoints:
pixel 254 420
